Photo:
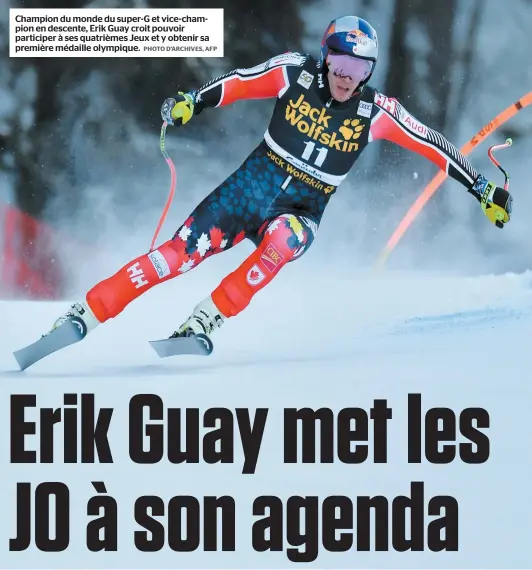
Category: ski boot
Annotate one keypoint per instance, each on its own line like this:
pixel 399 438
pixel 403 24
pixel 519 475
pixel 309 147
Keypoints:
pixel 78 312
pixel 201 324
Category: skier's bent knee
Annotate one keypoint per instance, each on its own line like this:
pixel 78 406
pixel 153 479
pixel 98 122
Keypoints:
pixel 284 239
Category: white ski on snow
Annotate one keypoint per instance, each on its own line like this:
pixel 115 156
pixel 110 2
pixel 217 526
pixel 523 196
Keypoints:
pixel 74 330
pixel 199 345
pixel 71 331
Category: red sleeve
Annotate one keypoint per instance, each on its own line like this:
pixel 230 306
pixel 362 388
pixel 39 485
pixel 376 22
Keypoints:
pixel 261 86
pixel 395 124
pixel 267 80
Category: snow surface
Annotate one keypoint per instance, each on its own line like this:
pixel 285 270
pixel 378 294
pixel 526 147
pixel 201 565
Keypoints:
pixel 343 341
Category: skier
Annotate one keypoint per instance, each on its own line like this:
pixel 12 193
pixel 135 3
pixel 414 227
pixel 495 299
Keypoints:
pixel 324 117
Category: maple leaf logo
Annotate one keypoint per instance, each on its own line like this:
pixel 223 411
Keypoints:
pixel 216 237
pixel 186 266
pixel 273 226
pixel 184 233
pixel 203 244
pixel 255 276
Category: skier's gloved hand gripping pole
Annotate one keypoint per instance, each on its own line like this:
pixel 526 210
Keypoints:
pixel 497 202
pixel 179 110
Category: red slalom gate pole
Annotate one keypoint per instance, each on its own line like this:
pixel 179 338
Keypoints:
pixel 437 181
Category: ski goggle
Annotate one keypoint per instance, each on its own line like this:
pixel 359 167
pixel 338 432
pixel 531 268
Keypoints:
pixel 353 68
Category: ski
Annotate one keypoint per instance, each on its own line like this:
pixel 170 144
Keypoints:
pixel 71 331
pixel 199 345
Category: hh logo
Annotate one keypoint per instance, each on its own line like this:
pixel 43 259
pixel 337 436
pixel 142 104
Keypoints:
pixel 386 103
pixel 255 276
pixel 314 123
pixel 137 275
pixel 271 258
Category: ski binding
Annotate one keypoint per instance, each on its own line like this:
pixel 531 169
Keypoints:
pixel 200 345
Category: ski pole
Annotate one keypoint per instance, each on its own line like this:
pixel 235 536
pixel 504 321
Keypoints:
pixel 172 184
pixel 507 144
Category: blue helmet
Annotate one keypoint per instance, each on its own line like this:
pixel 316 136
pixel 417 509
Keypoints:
pixel 352 36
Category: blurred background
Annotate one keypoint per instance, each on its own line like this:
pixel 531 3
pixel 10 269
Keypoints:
pixel 83 183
